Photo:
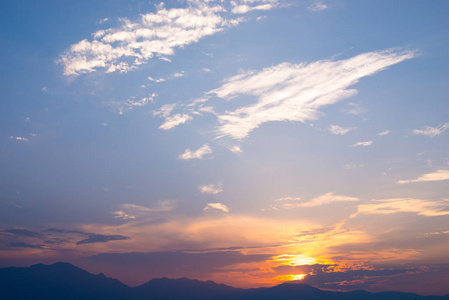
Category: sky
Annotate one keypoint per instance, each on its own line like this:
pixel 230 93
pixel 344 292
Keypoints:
pixel 249 142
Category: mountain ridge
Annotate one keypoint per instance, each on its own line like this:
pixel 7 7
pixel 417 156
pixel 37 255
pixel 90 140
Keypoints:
pixel 67 282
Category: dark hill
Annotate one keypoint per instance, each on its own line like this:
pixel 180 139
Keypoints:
pixel 63 281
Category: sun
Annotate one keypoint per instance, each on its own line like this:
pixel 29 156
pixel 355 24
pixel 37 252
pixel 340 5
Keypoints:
pixel 299 276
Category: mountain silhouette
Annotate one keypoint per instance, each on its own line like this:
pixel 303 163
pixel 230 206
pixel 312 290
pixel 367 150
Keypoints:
pixel 63 281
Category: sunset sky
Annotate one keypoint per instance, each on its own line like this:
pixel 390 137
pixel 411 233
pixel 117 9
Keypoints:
pixel 249 142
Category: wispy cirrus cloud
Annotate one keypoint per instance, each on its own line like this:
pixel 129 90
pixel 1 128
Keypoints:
pixel 363 144
pixel 296 92
pixel 431 131
pixel 435 176
pixel 132 43
pixel 175 120
pixel 383 133
pixel 171 121
pixel 328 198
pixel 293 202
pixel 132 211
pixel 196 154
pixel 338 130
pixel 211 188
pixel 216 206
pixel 390 206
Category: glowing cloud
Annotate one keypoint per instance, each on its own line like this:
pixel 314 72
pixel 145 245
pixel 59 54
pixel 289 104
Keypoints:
pixel 396 205
pixel 296 92
pixel 435 176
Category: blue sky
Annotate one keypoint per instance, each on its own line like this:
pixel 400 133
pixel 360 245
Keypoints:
pixel 274 135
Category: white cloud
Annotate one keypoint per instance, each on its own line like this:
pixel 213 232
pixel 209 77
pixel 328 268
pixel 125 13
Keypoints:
pixel 353 109
pixel 133 102
pixel 296 92
pixel 431 131
pixel 439 175
pixel 217 206
pixel 384 133
pixel 156 80
pixel 317 5
pixel 288 199
pixel 292 202
pixel 19 138
pixel 198 154
pixel 175 120
pixel 243 9
pixel 211 188
pixel 326 199
pixel 363 144
pixel 396 205
pixel 125 47
pixel 178 74
pixel 165 110
pixel 235 149
pixel 206 70
pixel 132 211
pixel 338 130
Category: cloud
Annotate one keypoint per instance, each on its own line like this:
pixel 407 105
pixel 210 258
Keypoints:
pixel 326 199
pixel 19 138
pixel 338 130
pixel 25 245
pixel 291 202
pixel 243 9
pixel 100 238
pixel 296 92
pixel 198 154
pixel 435 176
pixel 20 232
pixel 235 149
pixel 178 74
pixel 431 131
pixel 363 144
pixel 165 110
pixel 132 102
pixel 175 120
pixel 396 205
pixel 317 5
pixel 354 109
pixel 120 214
pixel 211 189
pixel 383 133
pixel 350 167
pixel 171 121
pixel 133 211
pixel 125 47
pixel 217 206
pixel 156 80
pixel 288 199
pixel 27 120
